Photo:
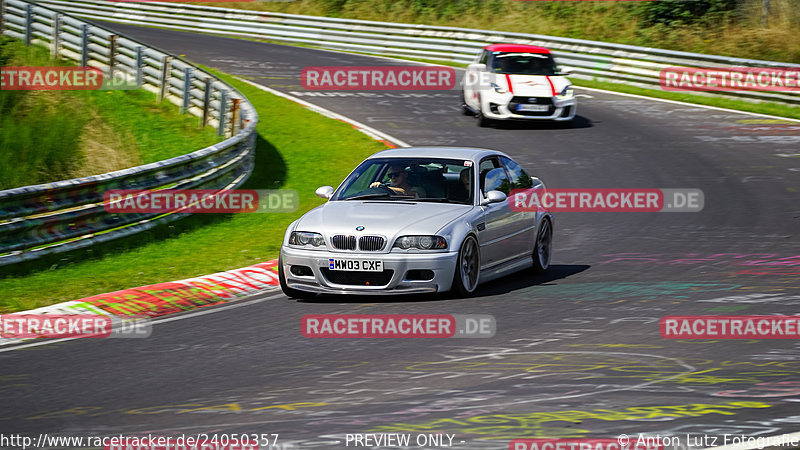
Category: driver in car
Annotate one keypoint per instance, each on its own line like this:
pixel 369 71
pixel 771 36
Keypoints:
pixel 398 178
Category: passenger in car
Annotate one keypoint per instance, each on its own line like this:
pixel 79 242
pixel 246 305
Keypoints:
pixel 461 191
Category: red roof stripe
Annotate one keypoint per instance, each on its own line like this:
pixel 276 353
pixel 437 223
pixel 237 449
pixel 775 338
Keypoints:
pixel 516 48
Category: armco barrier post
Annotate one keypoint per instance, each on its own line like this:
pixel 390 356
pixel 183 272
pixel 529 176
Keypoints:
pixel 163 87
pixel 28 23
pixel 223 109
pixel 112 54
pixel 139 66
pixel 187 89
pixel 84 45
pixel 206 102
pixel 2 16
pixel 55 43
pixel 235 116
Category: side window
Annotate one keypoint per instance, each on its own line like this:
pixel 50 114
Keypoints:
pixel 496 180
pixel 519 179
pixel 484 57
pixel 493 176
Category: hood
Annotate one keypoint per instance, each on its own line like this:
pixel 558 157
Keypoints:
pixel 533 85
pixel 385 218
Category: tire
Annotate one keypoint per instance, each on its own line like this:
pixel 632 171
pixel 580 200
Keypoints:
pixel 465 110
pixel 468 266
pixel 291 293
pixel 543 247
pixel 483 122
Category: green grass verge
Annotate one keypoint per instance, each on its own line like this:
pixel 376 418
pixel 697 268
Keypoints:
pixel 297 149
pixel 48 136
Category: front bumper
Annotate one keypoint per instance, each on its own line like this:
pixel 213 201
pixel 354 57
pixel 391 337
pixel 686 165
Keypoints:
pixel 499 107
pixel 442 265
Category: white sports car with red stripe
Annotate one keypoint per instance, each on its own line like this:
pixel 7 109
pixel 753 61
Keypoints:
pixel 520 82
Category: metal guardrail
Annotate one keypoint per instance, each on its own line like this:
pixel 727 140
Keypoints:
pixel 589 59
pixel 65 215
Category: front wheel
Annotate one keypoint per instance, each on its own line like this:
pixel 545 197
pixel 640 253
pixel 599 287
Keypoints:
pixel 483 121
pixel 544 247
pixel 468 266
pixel 291 293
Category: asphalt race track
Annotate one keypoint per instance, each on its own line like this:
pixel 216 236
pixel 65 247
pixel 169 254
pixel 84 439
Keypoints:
pixel 577 353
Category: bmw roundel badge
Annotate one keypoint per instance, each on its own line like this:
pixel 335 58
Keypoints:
pixel 359 228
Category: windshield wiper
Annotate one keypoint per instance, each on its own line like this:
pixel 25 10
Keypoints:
pixel 366 196
pixel 382 195
pixel 432 199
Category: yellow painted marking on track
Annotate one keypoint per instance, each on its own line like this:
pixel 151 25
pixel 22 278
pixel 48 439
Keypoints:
pixel 763 121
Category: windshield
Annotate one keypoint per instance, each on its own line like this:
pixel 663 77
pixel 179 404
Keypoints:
pixel 410 179
pixel 523 64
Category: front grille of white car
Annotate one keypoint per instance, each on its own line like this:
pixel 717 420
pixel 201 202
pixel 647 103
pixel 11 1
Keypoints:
pixel 533 100
pixel 371 243
pixel 343 242
pixel 512 106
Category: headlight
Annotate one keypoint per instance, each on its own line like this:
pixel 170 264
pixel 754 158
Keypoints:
pixel 498 89
pixel 306 238
pixel 421 242
pixel 565 93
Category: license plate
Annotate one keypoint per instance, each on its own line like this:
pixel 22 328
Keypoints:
pixel 537 108
pixel 355 265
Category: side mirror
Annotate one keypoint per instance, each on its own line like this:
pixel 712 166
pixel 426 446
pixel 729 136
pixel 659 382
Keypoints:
pixel 325 192
pixel 565 71
pixel 477 66
pixel 494 197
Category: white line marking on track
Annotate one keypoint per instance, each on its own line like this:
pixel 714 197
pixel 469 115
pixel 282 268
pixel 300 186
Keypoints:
pixel 181 316
pixel 326 112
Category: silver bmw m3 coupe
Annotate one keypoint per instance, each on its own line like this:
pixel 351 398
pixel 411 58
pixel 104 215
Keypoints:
pixel 416 220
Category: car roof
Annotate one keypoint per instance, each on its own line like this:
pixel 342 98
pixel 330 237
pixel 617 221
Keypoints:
pixel 516 48
pixel 468 153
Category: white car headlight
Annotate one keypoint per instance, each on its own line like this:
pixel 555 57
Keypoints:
pixel 565 93
pixel 498 89
pixel 421 242
pixel 305 238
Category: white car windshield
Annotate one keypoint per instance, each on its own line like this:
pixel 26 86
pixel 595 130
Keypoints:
pixel 411 179
pixel 523 64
